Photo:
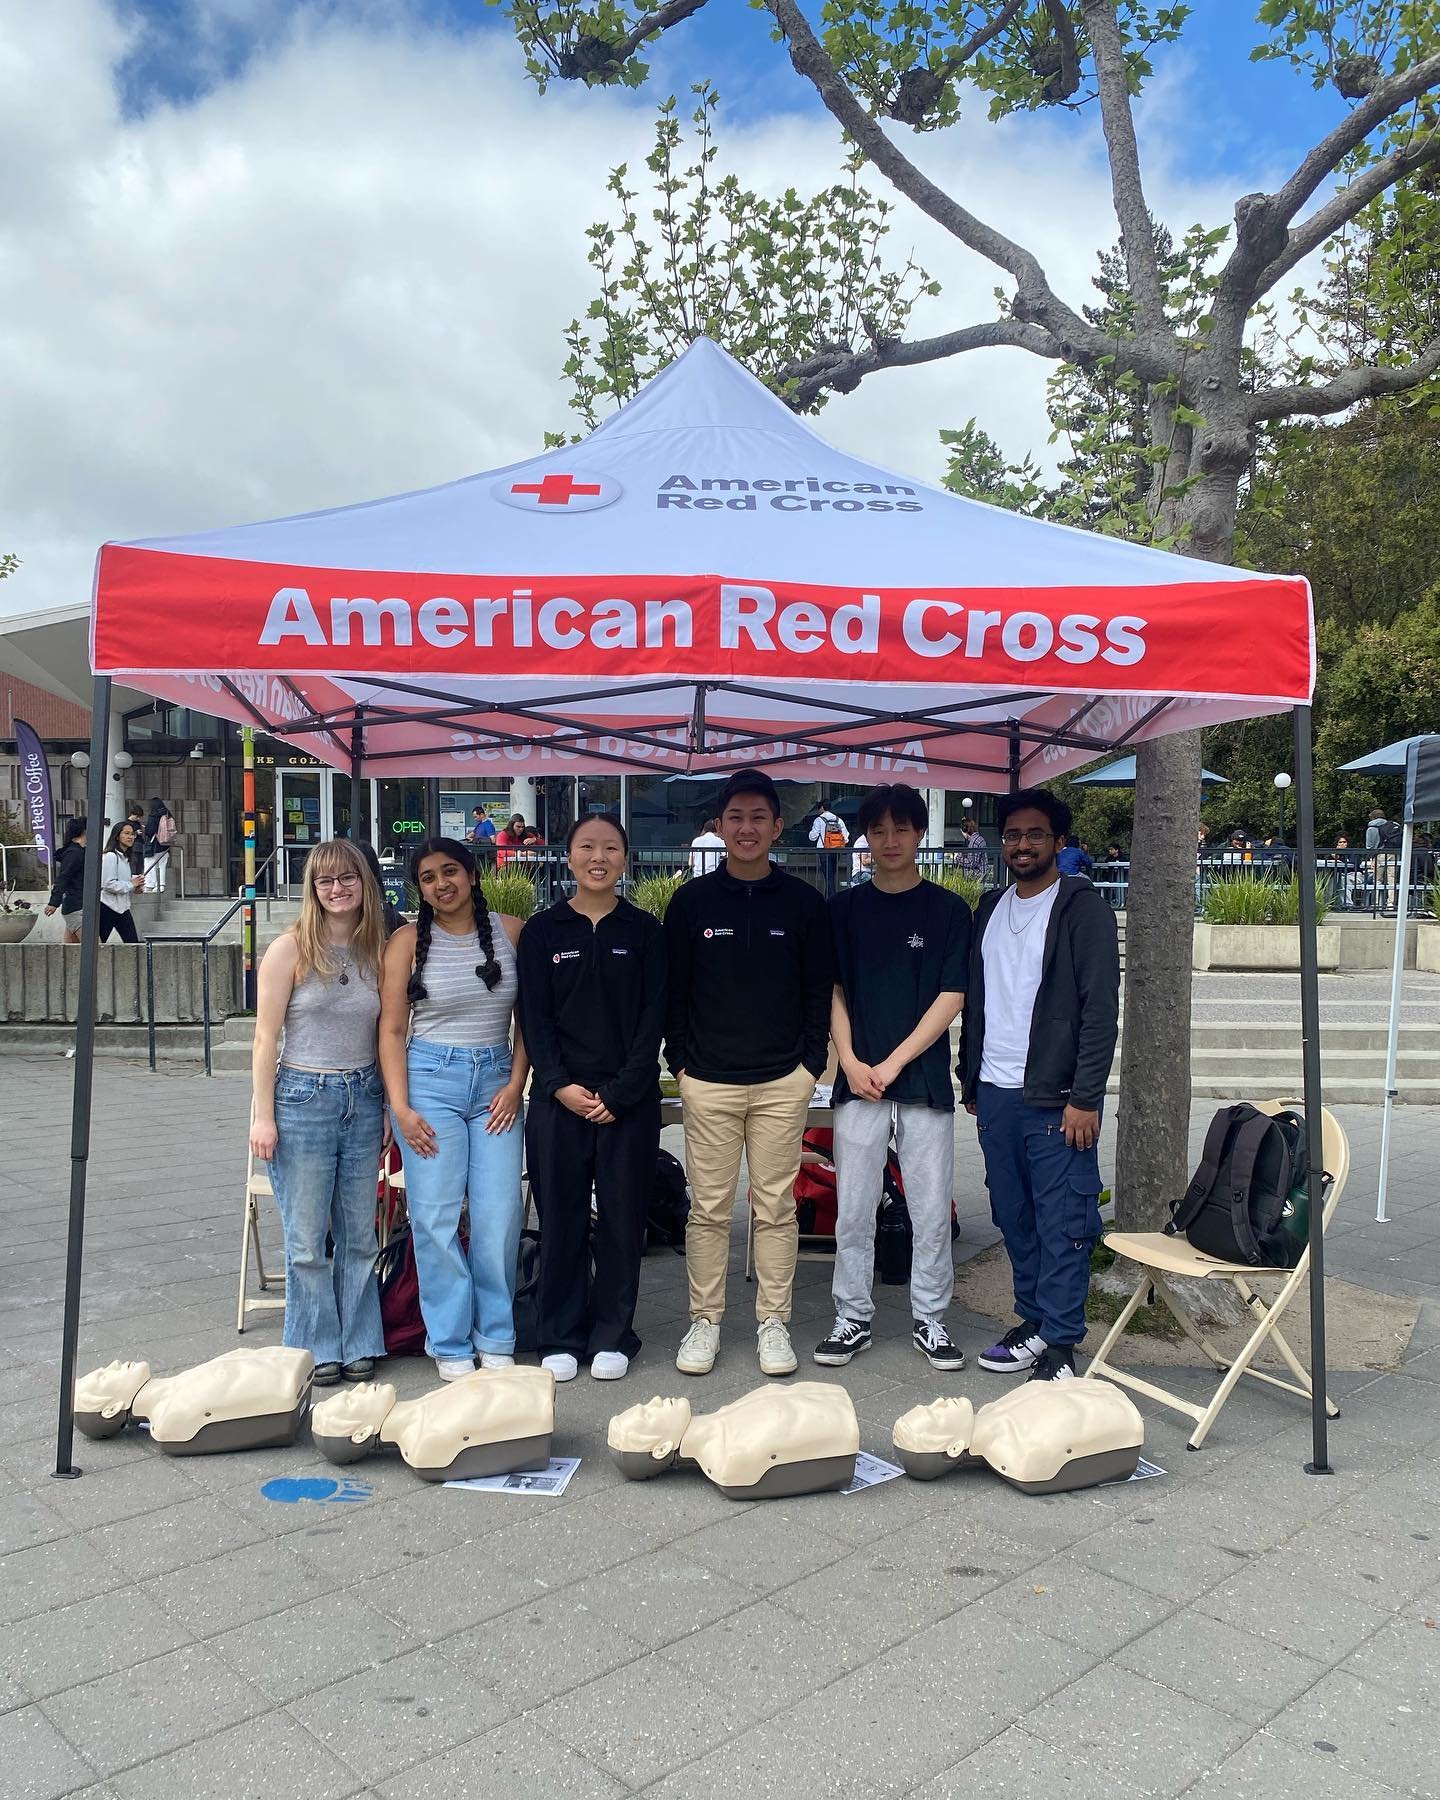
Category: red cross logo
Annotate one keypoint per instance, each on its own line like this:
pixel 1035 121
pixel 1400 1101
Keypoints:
pixel 575 491
pixel 556 490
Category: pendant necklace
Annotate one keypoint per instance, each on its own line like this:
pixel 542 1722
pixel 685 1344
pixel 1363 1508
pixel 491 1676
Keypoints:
pixel 344 969
pixel 1018 930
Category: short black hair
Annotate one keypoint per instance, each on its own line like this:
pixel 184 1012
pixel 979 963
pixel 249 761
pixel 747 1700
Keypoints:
pixel 749 781
pixel 609 819
pixel 903 804
pixel 1042 800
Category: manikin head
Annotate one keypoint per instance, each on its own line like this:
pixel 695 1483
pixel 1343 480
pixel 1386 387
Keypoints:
pixel 652 1429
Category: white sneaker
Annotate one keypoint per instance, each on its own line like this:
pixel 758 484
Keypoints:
pixel 561 1365
pixel 493 1359
pixel 454 1368
pixel 609 1365
pixel 698 1348
pixel 777 1353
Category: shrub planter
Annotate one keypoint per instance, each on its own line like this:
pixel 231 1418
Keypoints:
pixel 16 927
pixel 1257 947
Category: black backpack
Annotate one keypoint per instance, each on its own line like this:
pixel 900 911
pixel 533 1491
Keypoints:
pixel 1238 1207
pixel 1392 836
pixel 669 1205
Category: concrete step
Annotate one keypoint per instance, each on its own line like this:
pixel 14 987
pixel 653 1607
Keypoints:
pixel 173 1043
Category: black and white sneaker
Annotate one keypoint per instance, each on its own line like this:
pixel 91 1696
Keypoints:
pixel 848 1339
pixel 1053 1365
pixel 936 1345
pixel 1020 1349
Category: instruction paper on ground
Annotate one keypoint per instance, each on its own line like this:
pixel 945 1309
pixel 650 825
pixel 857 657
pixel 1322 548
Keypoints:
pixel 870 1471
pixel 1144 1471
pixel 549 1482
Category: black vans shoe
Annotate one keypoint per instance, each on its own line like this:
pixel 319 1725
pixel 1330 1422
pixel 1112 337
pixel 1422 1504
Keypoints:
pixel 848 1339
pixel 936 1345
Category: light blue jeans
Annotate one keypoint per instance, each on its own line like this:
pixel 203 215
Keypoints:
pixel 467 1304
pixel 324 1170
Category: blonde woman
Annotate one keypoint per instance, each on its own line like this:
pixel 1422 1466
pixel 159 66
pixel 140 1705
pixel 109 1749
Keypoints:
pixel 319 1108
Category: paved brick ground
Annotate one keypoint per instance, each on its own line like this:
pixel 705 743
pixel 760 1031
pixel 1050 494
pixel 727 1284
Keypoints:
pixel 1236 1629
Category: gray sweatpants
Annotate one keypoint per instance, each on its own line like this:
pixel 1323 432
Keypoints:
pixel 925 1140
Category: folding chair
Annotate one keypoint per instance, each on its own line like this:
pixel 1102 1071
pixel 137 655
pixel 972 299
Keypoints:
pixel 257 1187
pixel 1160 1257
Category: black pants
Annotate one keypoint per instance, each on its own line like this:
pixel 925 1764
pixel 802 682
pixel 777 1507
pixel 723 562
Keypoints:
pixel 579 1311
pixel 122 923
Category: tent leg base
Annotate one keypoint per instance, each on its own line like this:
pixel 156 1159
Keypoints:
pixel 1318 1469
pixel 73 1473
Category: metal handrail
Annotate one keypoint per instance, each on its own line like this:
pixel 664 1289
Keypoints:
pixel 204 940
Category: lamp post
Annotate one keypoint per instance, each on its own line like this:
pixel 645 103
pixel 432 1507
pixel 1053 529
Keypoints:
pixel 1282 781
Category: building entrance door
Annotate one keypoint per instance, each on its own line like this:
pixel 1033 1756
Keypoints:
pixel 302 819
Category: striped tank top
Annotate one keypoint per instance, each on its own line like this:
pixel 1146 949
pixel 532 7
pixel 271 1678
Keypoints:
pixel 458 1008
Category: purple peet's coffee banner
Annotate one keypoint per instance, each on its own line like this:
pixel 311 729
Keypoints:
pixel 35 795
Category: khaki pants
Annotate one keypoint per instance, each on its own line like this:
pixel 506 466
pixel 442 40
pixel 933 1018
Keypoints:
pixel 767 1121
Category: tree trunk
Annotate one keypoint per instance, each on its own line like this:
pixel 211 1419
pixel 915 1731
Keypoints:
pixel 1152 1152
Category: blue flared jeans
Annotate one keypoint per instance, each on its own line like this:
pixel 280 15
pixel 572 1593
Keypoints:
pixel 324 1171
pixel 467 1295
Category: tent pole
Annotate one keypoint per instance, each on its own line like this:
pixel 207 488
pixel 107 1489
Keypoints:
pixel 1392 1035
pixel 357 757
pixel 1310 1063
pixel 1014 767
pixel 84 1079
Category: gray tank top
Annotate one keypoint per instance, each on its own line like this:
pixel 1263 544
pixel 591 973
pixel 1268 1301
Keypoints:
pixel 330 1024
pixel 458 1008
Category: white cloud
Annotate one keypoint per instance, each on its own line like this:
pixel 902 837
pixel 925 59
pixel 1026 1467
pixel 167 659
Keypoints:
pixel 346 273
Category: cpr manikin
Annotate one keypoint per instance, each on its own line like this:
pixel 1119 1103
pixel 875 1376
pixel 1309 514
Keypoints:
pixel 770 1444
pixel 248 1399
pixel 494 1422
pixel 1043 1438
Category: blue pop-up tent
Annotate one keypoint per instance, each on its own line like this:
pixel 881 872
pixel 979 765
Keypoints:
pixel 1122 774
pixel 1389 759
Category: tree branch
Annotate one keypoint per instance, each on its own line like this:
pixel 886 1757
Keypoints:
pixel 920 87
pixel 1347 203
pixel 842 369
pixel 1137 234
pixel 1035 300
pixel 1348 388
pixel 1261 220
pixel 596 56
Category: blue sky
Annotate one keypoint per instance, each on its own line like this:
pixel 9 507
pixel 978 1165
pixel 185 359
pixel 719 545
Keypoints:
pixel 1253 114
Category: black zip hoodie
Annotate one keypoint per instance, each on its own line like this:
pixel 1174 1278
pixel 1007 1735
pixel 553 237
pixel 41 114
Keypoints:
pixel 1077 1006
pixel 68 891
pixel 592 1002
pixel 751 974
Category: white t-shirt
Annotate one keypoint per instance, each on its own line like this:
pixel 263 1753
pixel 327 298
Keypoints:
pixel 827 821
pixel 706 853
pixel 1013 952
pixel 859 857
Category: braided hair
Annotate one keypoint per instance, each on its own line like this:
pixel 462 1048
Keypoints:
pixel 488 968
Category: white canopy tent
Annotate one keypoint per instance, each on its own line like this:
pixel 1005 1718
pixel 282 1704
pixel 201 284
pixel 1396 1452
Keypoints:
pixel 702 581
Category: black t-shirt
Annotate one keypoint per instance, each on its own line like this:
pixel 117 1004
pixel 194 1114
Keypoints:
pixel 894 953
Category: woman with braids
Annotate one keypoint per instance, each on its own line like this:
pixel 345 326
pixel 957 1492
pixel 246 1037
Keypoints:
pixel 319 1109
pixel 592 999
pixel 455 1089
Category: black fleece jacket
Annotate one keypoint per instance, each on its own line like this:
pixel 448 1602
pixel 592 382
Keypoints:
pixel 68 891
pixel 592 1002
pixel 750 978
pixel 1077 1007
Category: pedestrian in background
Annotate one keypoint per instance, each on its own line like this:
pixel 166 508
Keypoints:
pixel 118 885
pixel 67 896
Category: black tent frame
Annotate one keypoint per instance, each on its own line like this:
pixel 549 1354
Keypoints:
pixel 848 730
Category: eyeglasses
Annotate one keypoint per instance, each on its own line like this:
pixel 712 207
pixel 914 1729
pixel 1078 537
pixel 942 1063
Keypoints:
pixel 334 881
pixel 1033 836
